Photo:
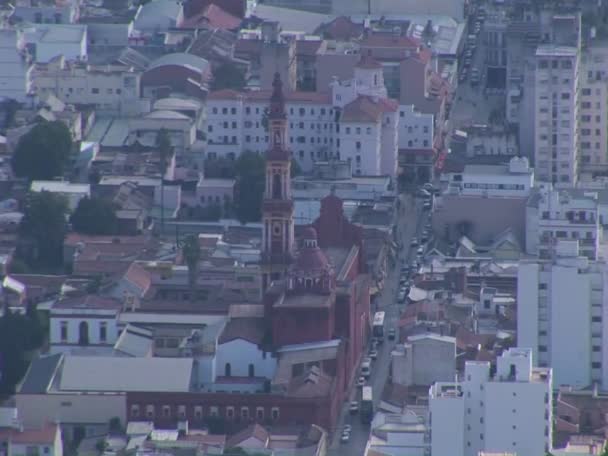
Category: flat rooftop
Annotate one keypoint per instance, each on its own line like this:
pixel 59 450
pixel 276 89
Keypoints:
pixel 552 50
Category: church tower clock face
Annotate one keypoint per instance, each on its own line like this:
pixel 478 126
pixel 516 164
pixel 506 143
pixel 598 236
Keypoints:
pixel 276 228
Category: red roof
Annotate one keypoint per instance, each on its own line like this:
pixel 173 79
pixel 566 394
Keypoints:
pixel 367 109
pixel 213 16
pixel 256 431
pixel 249 329
pixel 342 29
pixel 389 40
pixel 45 435
pixel 233 7
pixel 308 47
pixel 88 302
pixel 139 277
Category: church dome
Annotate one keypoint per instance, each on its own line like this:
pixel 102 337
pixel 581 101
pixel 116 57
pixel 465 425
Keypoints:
pixel 311 259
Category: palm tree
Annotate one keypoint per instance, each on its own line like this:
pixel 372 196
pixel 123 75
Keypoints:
pixel 163 142
pixel 191 250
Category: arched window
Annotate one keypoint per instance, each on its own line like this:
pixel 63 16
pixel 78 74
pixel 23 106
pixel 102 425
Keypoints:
pixel 375 80
pixel 83 333
pixel 251 370
pixel 228 370
pixel 276 186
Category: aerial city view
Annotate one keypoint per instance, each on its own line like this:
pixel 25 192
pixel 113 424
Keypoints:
pixel 303 227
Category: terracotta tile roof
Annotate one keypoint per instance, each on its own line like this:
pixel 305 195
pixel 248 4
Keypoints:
pixel 342 29
pixel 72 239
pixel 389 40
pixel 312 383
pixel 256 431
pixel 139 277
pixel 45 435
pixel 366 109
pixel 249 329
pixel 466 338
pixel 213 16
pixel 232 7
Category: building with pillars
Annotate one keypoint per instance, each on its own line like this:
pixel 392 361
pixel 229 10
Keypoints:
pixel 277 207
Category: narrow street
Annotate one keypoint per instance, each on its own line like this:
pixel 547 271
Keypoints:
pixel 411 222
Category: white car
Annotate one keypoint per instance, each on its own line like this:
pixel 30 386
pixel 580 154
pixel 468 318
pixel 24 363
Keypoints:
pixel 361 382
pixel 420 251
pixel 353 408
pixel 414 241
pixel 345 437
pixel 373 354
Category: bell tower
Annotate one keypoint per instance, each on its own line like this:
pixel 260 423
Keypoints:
pixel 277 207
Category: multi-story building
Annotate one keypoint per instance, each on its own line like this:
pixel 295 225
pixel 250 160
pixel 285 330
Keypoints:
pixel 561 307
pixel 510 410
pixel 111 88
pixel 593 109
pixel 14 64
pixel 553 215
pixel 556 116
pixel 354 121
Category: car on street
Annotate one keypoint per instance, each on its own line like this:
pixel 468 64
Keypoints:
pixel 373 354
pixel 420 251
pixel 347 428
pixel 414 242
pixel 422 193
pixel 353 408
pixel 424 238
pixel 392 334
pixel 427 206
pixel 345 437
pixel 361 382
pixel 403 280
pixel 401 296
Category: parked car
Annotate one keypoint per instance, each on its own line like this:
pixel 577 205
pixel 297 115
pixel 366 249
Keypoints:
pixel 345 437
pixel 401 297
pixel 347 428
pixel 420 251
pixel 392 334
pixel 421 192
pixel 373 354
pixel 353 408
pixel 424 238
pixel 414 242
pixel 427 206
pixel 361 382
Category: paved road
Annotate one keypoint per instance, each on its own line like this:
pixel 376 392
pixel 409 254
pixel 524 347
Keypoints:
pixel 411 220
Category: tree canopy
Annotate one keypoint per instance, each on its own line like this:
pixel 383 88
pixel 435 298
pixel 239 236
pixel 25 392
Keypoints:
pixel 44 226
pixel 228 76
pixel 250 182
pixel 43 152
pixel 19 334
pixel 94 216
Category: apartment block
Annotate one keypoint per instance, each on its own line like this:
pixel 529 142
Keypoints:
pixel 593 112
pixel 553 215
pixel 509 410
pixel 561 309
pixel 111 88
pixel 556 116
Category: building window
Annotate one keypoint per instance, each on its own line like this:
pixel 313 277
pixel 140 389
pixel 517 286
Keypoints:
pixel 166 411
pixel 83 333
pixel 275 413
pixel 134 411
pixel 227 370
pixel 181 411
pixel 358 145
pixel 230 412
pixel 259 413
pixel 95 90
pixel 224 110
pixel 64 331
pixel 103 331
pixel 596 365
pixel 198 412
pixel 213 411
pixel 251 370
pixel 245 413
pixel 149 411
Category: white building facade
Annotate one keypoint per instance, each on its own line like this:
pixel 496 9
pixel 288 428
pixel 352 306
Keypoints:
pixel 424 360
pixel 556 114
pixel 593 112
pixel 416 129
pixel 14 65
pixel 555 215
pixel 113 88
pixel 562 305
pixel 508 412
pixel 354 119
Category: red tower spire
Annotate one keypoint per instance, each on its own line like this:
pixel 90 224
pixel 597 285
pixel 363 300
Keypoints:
pixel 277 123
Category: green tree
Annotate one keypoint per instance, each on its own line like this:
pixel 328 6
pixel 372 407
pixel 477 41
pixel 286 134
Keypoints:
pixel 43 152
pixel 250 181
pixel 163 143
pixel 191 251
pixel 19 335
pixel 228 76
pixel 94 216
pixel 43 227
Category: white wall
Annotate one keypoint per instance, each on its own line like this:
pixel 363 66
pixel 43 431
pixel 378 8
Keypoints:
pixel 447 425
pixel 527 307
pixel 365 159
pixel 570 341
pixel 13 68
pixel 95 409
pixel 389 152
pixel 73 324
pixel 240 353
pixel 416 129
